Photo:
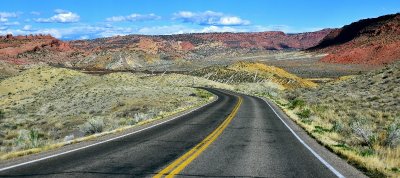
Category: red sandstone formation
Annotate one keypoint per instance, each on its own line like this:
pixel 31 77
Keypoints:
pixel 373 41
pixel 14 45
pixel 11 47
pixel 186 45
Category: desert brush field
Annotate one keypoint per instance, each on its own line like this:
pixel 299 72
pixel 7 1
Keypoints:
pixel 46 105
pixel 357 117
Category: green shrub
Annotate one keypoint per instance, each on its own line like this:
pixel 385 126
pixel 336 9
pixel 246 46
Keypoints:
pixel 27 139
pixel 2 114
pixel 396 169
pixel 367 152
pixel 203 94
pixel 393 135
pixel 343 146
pixel 92 126
pixel 304 113
pixel 306 121
pixel 337 126
pixel 34 138
pixel 320 129
pixel 296 103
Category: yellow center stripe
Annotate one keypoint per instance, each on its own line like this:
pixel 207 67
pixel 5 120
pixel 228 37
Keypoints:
pixel 179 164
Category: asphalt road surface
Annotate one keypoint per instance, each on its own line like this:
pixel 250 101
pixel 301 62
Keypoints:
pixel 235 136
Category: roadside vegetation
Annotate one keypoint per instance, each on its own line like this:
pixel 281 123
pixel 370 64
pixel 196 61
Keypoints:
pixel 45 105
pixel 357 117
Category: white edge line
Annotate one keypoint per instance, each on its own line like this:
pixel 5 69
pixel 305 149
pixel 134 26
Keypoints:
pixel 104 141
pixel 330 167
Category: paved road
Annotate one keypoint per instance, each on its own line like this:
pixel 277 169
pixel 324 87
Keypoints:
pixel 253 142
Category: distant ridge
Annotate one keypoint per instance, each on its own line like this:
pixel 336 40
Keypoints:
pixel 275 40
pixel 368 41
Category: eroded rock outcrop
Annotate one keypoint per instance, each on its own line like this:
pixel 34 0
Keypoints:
pixel 374 41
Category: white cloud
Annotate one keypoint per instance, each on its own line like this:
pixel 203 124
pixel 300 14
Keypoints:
pixel 133 17
pixel 210 18
pixel 179 29
pixel 10 23
pixel 84 37
pixel 116 19
pixel 27 28
pixel 221 29
pixel 4 16
pixel 166 30
pixel 61 16
pixel 54 32
pixel 233 21
pixel 60 11
pixel 6 24
pixel 285 28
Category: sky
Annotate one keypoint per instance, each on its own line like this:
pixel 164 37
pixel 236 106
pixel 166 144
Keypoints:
pixel 88 19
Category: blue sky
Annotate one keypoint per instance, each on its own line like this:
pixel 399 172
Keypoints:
pixel 82 19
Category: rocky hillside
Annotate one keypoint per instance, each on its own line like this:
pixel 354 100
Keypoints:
pixel 138 51
pixel 267 40
pixel 22 49
pixel 272 40
pixel 133 51
pixel 368 41
pixel 253 72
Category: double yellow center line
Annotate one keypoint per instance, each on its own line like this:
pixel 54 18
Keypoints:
pixel 179 164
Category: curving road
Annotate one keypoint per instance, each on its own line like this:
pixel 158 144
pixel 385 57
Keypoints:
pixel 235 136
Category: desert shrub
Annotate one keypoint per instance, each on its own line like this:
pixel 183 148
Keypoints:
pixel 396 169
pixel 393 135
pixel 292 95
pixel 343 146
pixel 2 114
pixel 364 133
pixel 69 137
pixel 27 139
pixel 337 126
pixel 34 138
pixel 320 129
pixel 20 140
pixel 203 94
pixel 142 116
pixel 92 126
pixel 304 113
pixel 131 121
pixel 367 152
pixel 152 113
pixel 296 103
